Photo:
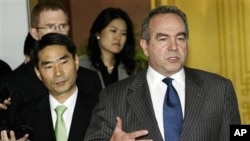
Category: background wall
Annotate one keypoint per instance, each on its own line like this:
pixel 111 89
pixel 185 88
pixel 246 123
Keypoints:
pixel 13 29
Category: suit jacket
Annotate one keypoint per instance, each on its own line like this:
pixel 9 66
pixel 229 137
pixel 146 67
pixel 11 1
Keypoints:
pixel 26 87
pixel 5 69
pixel 86 63
pixel 210 107
pixel 37 115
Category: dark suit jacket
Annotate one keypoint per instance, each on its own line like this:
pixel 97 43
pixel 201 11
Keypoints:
pixel 210 107
pixel 37 115
pixel 4 69
pixel 25 87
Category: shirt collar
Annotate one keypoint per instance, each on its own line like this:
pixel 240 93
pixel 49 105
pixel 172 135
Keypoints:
pixel 68 103
pixel 155 77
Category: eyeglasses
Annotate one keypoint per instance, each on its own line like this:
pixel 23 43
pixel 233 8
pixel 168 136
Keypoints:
pixel 53 27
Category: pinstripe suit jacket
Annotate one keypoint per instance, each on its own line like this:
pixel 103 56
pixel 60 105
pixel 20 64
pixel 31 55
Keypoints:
pixel 211 106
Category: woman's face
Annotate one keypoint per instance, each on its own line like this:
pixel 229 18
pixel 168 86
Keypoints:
pixel 113 37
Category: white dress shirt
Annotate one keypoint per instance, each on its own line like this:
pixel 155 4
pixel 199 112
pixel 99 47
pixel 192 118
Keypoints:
pixel 68 114
pixel 158 89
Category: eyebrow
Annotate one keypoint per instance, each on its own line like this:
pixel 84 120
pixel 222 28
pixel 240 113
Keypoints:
pixel 164 34
pixel 43 63
pixel 112 26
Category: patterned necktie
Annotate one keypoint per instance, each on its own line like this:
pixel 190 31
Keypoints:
pixel 172 113
pixel 60 128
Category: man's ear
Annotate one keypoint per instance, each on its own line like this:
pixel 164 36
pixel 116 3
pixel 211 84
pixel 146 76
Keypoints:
pixel 38 74
pixel 33 32
pixel 144 46
pixel 77 61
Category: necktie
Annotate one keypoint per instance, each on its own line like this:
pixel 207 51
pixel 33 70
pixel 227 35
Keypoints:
pixel 172 113
pixel 60 128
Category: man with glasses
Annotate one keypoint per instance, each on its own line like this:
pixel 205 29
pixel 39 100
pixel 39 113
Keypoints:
pixel 23 83
pixel 48 17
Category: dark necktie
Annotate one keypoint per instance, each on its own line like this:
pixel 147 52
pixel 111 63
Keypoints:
pixel 172 113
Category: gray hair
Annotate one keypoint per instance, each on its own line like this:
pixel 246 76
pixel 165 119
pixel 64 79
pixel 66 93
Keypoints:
pixel 162 10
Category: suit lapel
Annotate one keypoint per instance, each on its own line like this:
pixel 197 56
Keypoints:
pixel 141 103
pixel 82 113
pixel 194 97
pixel 43 121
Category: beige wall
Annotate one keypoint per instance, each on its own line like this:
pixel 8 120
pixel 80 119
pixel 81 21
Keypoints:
pixel 219 41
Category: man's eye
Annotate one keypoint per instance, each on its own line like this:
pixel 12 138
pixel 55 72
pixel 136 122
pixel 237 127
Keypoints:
pixel 50 26
pixel 64 62
pixel 62 26
pixel 181 38
pixel 113 30
pixel 47 67
pixel 162 39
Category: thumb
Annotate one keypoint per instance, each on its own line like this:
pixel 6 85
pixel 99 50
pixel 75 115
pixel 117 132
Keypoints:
pixel 118 125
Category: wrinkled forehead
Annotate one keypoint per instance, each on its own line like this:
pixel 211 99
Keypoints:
pixel 166 23
pixel 50 16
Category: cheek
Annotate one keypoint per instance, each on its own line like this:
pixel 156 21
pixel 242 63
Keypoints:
pixel 46 77
pixel 104 41
pixel 183 51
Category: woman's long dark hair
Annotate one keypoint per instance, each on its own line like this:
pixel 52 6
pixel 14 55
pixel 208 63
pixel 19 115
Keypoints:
pixel 126 56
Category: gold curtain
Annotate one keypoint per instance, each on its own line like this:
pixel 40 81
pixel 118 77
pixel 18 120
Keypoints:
pixel 219 41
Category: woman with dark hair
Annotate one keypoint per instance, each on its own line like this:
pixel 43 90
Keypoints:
pixel 111 46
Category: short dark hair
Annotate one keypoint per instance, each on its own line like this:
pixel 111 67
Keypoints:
pixel 52 39
pixel 162 10
pixel 44 6
pixel 126 56
pixel 28 44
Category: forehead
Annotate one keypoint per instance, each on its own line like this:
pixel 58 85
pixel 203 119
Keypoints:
pixel 52 17
pixel 52 52
pixel 118 23
pixel 167 22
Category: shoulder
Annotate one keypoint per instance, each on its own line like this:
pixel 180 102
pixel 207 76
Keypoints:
pixel 85 61
pixel 88 80
pixel 22 74
pixel 133 83
pixel 202 76
pixel 84 71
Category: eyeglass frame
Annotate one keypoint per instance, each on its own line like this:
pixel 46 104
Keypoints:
pixel 52 27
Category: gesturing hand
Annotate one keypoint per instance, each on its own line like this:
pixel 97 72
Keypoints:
pixel 4 105
pixel 4 136
pixel 120 135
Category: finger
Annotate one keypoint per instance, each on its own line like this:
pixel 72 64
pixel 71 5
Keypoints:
pixel 118 125
pixel 3 106
pixel 7 101
pixel 24 138
pixel 12 136
pixel 4 136
pixel 137 134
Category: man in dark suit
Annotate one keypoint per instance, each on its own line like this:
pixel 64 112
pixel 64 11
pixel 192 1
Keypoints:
pixel 5 69
pixel 46 17
pixel 208 102
pixel 56 65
